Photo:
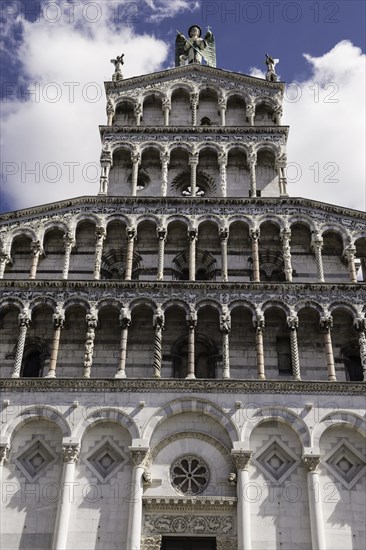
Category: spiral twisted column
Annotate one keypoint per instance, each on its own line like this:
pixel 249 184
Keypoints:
pixel 193 236
pixel 360 327
pixel 222 160
pixel 100 235
pixel 158 321
pixel 254 237
pixel 252 163
pixel 259 326
pixel 326 324
pixel 193 163
pixel 24 323
pixel 317 246
pixel 91 323
pixel 164 159
pixel 37 250
pixel 69 243
pixel 161 234
pixel 194 105
pixel 286 251
pixel 137 110
pixel 125 322
pixel 242 460
pixel 135 158
pixel 293 324
pixel 58 323
pixel 71 455
pixel 131 236
pixel 225 327
pixel 250 112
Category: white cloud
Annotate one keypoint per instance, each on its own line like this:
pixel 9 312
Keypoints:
pixel 326 115
pixel 163 9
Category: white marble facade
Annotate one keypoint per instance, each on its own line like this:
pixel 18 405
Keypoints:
pixel 182 356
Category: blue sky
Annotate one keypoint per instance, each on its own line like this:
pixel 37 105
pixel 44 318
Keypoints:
pixel 46 44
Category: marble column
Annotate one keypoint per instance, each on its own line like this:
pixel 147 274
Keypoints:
pixel 254 237
pixel 192 323
pixel 70 457
pixel 360 326
pixel 350 255
pixel 24 323
pixel 158 322
pixel 224 237
pixel 252 163
pixel 293 324
pixel 104 177
pixel 69 243
pixel 286 251
pixel 222 161
pixel 250 112
pixel 164 159
pixel 91 323
pixel 259 325
pixel 4 260
pixel 4 457
pixel 37 250
pixel 222 110
pixel 135 158
pixel 193 163
pixel 100 235
pixel 225 327
pixel 194 105
pixel 242 460
pixel 317 245
pixel 110 110
pixel 58 323
pixel 326 324
pixel 125 322
pixel 137 110
pixel 131 236
pixel 311 464
pixel 193 236
pixel 166 104
pixel 161 234
pixel 281 161
pixel 139 456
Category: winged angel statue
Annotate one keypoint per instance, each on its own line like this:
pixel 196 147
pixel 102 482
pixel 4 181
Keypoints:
pixel 195 48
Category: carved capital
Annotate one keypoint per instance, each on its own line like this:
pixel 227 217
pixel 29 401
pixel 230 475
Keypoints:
pixel 359 324
pixel 224 234
pixel 311 463
pixel 131 233
pixel 326 323
pixel 100 233
pixel 71 453
pixel 161 233
pixel 24 318
pixel 254 235
pixel 36 247
pixel 192 234
pixel 241 459
pixel 293 322
pixel 139 456
pixel 59 316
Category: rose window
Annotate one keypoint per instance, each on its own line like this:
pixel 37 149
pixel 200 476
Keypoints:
pixel 190 475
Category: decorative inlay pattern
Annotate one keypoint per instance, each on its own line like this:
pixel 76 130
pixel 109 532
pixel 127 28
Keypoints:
pixel 106 459
pixel 345 463
pixel 35 459
pixel 276 460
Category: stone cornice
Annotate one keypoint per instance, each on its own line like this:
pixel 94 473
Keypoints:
pixel 103 202
pixel 186 504
pixel 175 385
pixel 280 288
pixel 202 130
pixel 128 83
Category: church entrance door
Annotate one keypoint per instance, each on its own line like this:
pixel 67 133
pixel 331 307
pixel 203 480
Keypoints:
pixel 188 543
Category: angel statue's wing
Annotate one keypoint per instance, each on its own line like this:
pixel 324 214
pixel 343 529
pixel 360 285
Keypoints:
pixel 210 50
pixel 179 48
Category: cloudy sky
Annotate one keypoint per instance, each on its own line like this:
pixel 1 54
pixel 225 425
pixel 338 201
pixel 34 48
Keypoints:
pixel 56 54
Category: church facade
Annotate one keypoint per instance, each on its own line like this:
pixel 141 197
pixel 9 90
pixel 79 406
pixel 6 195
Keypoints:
pixel 183 355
